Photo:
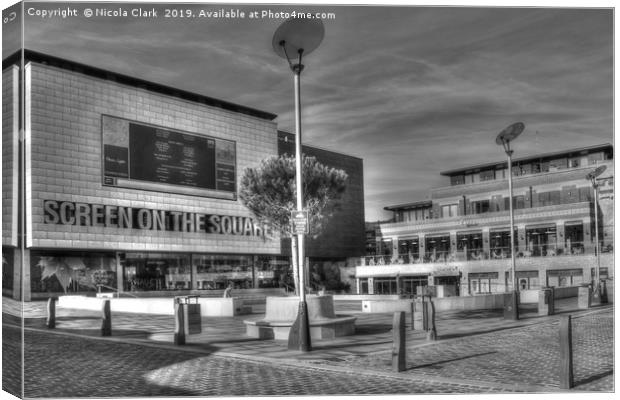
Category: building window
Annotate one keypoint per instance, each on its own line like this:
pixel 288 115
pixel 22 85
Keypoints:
pixel 500 243
pixel 437 247
pixel 7 268
pixel 72 272
pixel 385 286
pixel 449 210
pixel 565 277
pixel 156 271
pixel 363 286
pixel 469 245
pixel 573 237
pixel 541 241
pixel 409 250
pixel 480 207
pixel 482 282
pixel 409 284
pixel 526 280
pixel 487 175
pixel 457 180
pixel 218 271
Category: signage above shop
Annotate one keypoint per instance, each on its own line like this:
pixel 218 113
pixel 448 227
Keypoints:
pixel 111 216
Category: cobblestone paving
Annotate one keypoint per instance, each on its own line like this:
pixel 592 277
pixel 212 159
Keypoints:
pixel 70 366
pixel 528 354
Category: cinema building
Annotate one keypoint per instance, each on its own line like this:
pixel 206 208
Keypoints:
pixel 459 240
pixel 121 184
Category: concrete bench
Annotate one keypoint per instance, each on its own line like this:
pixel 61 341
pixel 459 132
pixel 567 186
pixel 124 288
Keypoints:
pixel 328 328
pixel 281 312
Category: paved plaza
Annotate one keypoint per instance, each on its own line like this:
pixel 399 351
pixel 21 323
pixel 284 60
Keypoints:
pixel 476 352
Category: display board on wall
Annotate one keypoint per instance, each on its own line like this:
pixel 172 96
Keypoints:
pixel 143 156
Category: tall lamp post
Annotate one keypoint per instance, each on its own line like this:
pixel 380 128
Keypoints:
pixel 295 38
pixel 511 300
pixel 598 296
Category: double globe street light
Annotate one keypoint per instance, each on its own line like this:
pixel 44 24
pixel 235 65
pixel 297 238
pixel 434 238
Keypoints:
pixel 294 39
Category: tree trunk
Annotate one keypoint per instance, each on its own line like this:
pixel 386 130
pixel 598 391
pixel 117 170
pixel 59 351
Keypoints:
pixel 295 266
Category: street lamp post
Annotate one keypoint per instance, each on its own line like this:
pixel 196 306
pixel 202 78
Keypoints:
pixel 511 310
pixel 292 40
pixel 598 296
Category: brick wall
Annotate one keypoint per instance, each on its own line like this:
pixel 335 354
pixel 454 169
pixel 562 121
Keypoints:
pixel 66 161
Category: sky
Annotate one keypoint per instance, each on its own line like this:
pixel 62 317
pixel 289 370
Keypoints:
pixel 411 90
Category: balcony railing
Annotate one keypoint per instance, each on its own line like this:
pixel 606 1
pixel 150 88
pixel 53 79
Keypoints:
pixel 550 250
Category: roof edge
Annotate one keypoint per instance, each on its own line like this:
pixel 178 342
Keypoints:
pixel 35 56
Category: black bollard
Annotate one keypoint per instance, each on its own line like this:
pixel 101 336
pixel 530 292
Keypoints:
pixel 431 332
pixel 51 313
pixel 106 319
pixel 180 322
pixel 566 353
pixel 412 314
pixel 399 356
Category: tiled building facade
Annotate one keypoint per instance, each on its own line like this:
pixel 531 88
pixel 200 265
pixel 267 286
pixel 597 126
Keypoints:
pixel 87 222
pixel 461 237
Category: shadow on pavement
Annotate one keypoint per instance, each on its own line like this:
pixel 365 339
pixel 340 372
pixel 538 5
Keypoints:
pixel 594 378
pixel 438 363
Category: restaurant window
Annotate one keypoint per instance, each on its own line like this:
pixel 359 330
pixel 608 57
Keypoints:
pixel 218 271
pixel 72 272
pixel 541 241
pixel 409 250
pixel 500 243
pixel 409 284
pixel 469 245
pixel 437 247
pixel 573 237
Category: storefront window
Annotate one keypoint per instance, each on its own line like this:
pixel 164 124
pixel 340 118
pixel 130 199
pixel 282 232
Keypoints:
pixel 565 277
pixel 409 284
pixel 273 272
pixel 218 271
pixel 7 268
pixel 70 272
pixel 437 247
pixel 156 271
pixel 483 282
pixel 385 285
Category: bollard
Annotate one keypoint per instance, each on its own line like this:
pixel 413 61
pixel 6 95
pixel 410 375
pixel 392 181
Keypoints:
pixel 584 297
pixel 412 315
pixel 424 314
pixel 431 332
pixel 51 313
pixel 180 322
pixel 604 296
pixel 399 356
pixel 566 353
pixel 106 320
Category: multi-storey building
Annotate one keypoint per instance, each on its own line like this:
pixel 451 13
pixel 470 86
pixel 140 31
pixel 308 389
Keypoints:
pixel 112 181
pixel 460 238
